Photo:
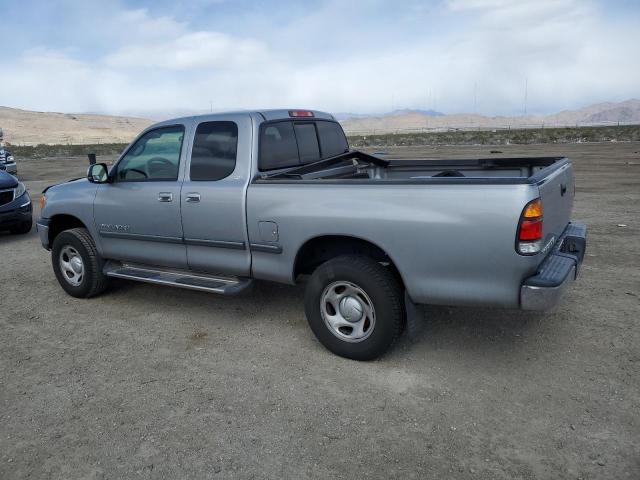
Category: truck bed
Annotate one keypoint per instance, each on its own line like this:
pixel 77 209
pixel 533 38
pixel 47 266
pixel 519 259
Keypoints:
pixel 449 226
pixel 358 167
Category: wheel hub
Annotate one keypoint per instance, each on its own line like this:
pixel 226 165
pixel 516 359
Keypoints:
pixel 76 264
pixel 351 309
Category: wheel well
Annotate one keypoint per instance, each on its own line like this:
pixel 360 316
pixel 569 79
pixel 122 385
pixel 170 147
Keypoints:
pixel 60 223
pixel 321 249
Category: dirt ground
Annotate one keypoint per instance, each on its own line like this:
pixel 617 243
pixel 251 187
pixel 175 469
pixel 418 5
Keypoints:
pixel 152 382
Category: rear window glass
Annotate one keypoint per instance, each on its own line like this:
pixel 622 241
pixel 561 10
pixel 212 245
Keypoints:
pixel 214 151
pixel 332 139
pixel 288 143
pixel 307 142
pixel 278 148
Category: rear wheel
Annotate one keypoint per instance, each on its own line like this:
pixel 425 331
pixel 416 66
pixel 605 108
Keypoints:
pixel 77 265
pixel 355 307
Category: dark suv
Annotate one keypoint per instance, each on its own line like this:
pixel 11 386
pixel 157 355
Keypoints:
pixel 7 162
pixel 15 205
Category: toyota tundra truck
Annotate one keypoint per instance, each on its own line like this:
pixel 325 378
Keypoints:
pixel 214 202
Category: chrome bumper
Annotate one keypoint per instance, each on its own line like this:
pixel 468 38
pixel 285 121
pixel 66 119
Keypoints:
pixel 544 290
pixel 11 168
pixel 42 225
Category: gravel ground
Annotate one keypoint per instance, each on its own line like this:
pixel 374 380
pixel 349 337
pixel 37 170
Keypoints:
pixel 148 381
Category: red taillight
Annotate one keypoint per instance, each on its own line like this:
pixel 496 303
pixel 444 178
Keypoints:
pixel 530 230
pixel 300 113
pixel 529 241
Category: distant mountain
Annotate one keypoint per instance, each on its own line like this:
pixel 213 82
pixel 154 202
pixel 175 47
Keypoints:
pixel 347 116
pixel 26 127
pixel 627 111
pixel 403 120
pixel 427 113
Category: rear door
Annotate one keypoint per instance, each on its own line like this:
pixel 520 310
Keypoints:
pixel 214 196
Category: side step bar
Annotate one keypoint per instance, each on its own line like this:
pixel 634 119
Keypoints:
pixel 178 278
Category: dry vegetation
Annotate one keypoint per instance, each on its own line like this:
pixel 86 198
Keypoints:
pixel 503 137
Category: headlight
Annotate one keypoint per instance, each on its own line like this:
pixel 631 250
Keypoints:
pixel 20 189
pixel 10 159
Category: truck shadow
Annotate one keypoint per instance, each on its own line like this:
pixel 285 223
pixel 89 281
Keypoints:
pixel 452 328
pixel 437 327
pixel 473 327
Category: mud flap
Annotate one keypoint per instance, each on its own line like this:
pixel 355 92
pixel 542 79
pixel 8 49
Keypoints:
pixel 415 323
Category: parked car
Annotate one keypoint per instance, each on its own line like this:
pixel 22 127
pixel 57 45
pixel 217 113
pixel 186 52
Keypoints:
pixel 15 205
pixel 7 162
pixel 213 202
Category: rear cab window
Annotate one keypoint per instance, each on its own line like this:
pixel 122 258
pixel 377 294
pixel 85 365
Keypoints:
pixel 290 143
pixel 215 147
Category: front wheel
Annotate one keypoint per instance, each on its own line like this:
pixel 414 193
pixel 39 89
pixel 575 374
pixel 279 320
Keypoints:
pixel 76 263
pixel 355 307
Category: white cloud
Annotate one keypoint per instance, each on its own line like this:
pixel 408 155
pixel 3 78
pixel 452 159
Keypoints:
pixel 569 54
pixel 189 51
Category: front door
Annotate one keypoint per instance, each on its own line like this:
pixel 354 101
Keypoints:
pixel 138 214
pixel 213 197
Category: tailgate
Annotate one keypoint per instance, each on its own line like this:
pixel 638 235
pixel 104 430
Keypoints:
pixel 557 192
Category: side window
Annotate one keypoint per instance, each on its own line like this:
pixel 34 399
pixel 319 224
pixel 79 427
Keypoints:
pixel 278 148
pixel 154 157
pixel 307 142
pixel 332 139
pixel 214 151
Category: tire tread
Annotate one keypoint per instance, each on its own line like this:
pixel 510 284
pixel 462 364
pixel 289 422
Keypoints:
pixel 98 280
pixel 394 296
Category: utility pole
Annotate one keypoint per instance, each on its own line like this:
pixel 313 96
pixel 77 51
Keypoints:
pixel 475 98
pixel 211 105
pixel 526 87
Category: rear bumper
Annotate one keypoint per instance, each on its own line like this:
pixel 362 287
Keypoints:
pixel 543 290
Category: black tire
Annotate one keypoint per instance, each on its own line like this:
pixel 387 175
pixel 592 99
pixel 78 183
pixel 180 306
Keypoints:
pixel 93 281
pixel 380 286
pixel 22 229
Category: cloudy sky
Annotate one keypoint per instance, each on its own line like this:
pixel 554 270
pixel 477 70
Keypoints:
pixel 119 56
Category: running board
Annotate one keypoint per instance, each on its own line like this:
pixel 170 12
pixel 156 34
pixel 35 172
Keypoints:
pixel 178 278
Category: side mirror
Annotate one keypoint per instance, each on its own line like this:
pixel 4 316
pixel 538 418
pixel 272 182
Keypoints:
pixel 98 173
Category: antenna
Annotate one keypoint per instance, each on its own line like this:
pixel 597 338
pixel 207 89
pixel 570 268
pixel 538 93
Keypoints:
pixel 526 87
pixel 475 98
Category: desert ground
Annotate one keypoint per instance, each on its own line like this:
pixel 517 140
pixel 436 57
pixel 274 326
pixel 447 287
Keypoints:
pixel 147 381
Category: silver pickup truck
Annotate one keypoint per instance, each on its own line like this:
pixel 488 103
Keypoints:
pixel 212 202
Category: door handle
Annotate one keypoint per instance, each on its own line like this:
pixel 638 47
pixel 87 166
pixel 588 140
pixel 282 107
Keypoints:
pixel 193 197
pixel 165 197
pixel 563 189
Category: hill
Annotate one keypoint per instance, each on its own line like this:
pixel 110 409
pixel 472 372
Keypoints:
pixel 31 128
pixel 627 112
pixel 22 127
